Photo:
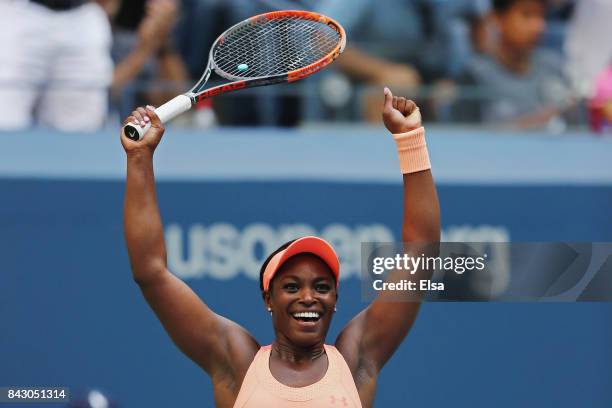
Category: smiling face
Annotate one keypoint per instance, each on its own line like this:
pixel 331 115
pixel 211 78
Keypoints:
pixel 302 298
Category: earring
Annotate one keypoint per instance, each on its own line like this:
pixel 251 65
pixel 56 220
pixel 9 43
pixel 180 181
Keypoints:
pixel 335 309
pixel 270 310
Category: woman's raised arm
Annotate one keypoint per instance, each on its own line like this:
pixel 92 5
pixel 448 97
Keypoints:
pixel 210 340
pixel 375 333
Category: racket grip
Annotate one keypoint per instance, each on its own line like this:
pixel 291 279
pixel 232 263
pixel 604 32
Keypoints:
pixel 166 113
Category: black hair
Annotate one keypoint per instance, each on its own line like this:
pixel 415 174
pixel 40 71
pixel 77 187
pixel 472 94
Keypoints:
pixel 268 259
pixel 503 5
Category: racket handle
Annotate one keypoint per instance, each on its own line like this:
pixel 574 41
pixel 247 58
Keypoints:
pixel 166 113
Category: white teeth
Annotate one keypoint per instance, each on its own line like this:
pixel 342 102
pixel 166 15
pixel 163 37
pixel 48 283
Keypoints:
pixel 314 315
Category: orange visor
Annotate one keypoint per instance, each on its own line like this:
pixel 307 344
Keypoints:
pixel 313 245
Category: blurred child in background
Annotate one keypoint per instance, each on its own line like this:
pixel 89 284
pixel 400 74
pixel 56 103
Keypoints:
pixel 526 84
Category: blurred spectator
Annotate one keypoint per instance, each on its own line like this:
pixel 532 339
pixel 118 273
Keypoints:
pixel 55 65
pixel 588 46
pixel 384 44
pixel 464 31
pixel 460 28
pixel 396 25
pixel 403 43
pixel 148 69
pixel 559 13
pixel 600 105
pixel 589 54
pixel 202 22
pixel 526 85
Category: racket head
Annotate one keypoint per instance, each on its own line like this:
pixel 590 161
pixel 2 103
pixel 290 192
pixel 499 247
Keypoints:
pixel 274 47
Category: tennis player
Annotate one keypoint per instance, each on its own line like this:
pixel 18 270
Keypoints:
pixel 299 285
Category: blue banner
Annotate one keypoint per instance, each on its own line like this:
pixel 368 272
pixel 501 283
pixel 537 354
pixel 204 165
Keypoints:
pixel 72 316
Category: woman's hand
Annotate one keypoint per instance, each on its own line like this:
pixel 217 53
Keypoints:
pixel 141 117
pixel 400 115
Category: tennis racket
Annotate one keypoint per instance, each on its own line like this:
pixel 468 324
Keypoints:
pixel 270 48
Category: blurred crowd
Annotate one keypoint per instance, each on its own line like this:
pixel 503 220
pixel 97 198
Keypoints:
pixel 523 64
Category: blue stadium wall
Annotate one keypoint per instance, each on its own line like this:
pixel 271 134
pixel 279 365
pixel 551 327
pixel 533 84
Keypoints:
pixel 71 315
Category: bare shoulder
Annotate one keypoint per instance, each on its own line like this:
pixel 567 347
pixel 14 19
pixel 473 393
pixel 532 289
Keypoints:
pixel 240 345
pixel 240 350
pixel 350 344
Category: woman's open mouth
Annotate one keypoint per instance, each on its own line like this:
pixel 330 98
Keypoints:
pixel 307 317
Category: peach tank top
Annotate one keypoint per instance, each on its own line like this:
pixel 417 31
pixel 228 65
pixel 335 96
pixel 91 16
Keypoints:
pixel 260 389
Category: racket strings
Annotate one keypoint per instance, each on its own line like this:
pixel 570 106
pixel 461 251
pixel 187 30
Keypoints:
pixel 273 47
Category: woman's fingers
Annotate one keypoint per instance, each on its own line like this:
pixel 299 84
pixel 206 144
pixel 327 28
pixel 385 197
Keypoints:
pixel 144 115
pixel 139 120
pixel 153 118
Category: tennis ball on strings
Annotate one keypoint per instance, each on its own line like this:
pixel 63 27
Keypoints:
pixel 243 67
